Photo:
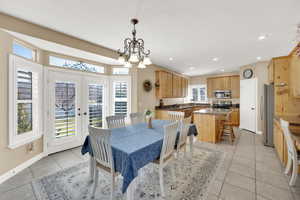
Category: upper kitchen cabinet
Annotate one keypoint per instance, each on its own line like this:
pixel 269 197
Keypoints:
pixel 169 85
pixel 235 86
pixel 224 83
pixel 185 86
pixel 164 81
pixel 177 86
pixel 271 72
pixel 294 75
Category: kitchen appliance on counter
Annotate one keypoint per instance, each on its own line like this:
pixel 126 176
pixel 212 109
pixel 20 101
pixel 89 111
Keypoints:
pixel 222 94
pixel 268 115
pixel 226 104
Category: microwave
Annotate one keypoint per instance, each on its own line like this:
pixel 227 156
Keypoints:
pixel 222 94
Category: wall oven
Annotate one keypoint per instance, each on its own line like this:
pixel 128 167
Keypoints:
pixel 222 94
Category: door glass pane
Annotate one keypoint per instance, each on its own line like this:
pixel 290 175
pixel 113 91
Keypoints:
pixel 65 123
pixel 95 104
pixel 24 117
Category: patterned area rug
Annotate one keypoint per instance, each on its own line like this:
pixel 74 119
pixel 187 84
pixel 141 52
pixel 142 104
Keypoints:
pixel 193 177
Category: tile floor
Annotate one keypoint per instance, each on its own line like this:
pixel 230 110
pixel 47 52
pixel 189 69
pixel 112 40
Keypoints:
pixel 250 171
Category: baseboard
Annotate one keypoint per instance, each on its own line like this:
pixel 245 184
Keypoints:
pixel 21 167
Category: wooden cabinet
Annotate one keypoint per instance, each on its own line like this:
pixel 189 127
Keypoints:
pixel 177 86
pixel 235 87
pixel 164 80
pixel 235 116
pixel 185 86
pixel 271 72
pixel 224 83
pixel 170 85
pixel 294 76
pixel 210 88
pixel 279 142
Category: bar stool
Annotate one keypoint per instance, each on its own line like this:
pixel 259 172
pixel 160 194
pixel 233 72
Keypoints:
pixel 226 128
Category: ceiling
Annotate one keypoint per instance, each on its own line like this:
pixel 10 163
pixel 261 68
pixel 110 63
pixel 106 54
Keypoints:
pixel 191 32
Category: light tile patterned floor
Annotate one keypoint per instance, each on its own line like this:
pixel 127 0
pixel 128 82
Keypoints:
pixel 250 171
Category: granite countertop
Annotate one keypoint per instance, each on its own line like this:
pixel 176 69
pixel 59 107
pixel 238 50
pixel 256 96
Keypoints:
pixel 181 106
pixel 213 111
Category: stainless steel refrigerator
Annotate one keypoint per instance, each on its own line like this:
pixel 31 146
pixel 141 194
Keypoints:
pixel 268 114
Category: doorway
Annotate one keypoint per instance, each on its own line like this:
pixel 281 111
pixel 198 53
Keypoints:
pixel 75 100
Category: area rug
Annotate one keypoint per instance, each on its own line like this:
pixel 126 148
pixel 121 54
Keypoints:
pixel 193 177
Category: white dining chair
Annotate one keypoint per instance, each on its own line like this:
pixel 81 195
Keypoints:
pixel 175 115
pixel 115 121
pixel 184 129
pixel 293 159
pixel 137 117
pixel 167 152
pixel 102 152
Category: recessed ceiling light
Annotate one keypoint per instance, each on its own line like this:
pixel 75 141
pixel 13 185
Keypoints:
pixel 222 70
pixel 258 58
pixel 215 59
pixel 192 68
pixel 263 37
pixel 170 59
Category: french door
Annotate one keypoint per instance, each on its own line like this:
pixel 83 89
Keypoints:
pixel 76 100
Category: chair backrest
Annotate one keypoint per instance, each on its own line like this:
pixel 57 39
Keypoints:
pixel 170 133
pixel 115 121
pixel 289 140
pixel 137 117
pixel 184 130
pixel 102 151
pixel 175 115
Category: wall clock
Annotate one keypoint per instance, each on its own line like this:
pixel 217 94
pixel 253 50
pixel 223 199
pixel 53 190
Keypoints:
pixel 247 73
pixel 147 85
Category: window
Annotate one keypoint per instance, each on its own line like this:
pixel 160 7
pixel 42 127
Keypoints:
pixel 25 97
pixel 199 93
pixel 121 87
pixel 120 97
pixel 23 51
pixel 121 70
pixel 78 65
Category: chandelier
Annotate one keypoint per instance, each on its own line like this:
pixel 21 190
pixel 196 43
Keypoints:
pixel 134 51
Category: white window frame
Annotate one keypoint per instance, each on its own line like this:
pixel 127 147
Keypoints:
pixel 17 63
pixel 116 68
pixel 198 92
pixel 112 96
pixel 26 46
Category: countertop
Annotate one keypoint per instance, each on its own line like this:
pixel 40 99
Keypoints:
pixel 181 106
pixel 187 106
pixel 213 111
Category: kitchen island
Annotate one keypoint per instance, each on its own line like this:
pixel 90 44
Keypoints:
pixel 208 122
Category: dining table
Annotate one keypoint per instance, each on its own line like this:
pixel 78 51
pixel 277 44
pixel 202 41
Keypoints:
pixel 133 147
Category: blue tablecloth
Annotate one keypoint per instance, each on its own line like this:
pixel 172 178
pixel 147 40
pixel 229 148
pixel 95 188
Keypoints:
pixel 134 146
